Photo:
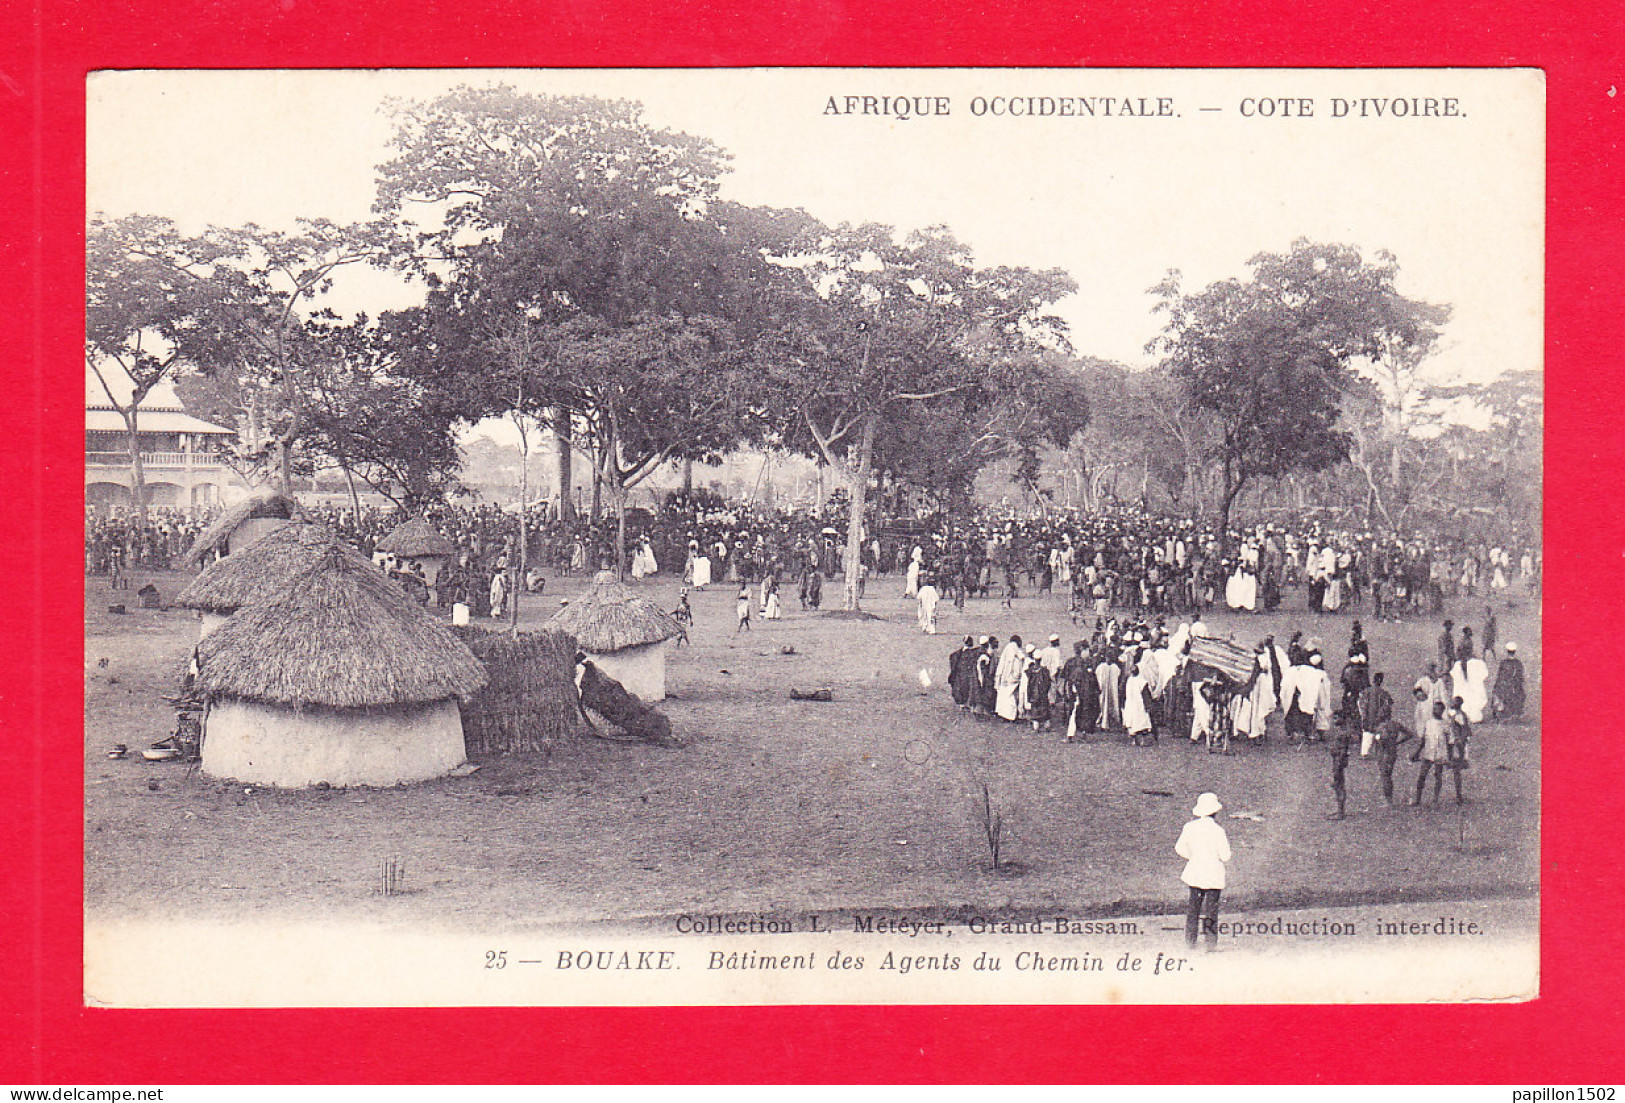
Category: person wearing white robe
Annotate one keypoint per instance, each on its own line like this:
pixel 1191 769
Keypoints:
pixel 1135 716
pixel 771 609
pixel 1007 679
pixel 1471 683
pixel 1323 699
pixel 1253 708
pixel 643 561
pixel 1307 691
pixel 1058 566
pixel 928 598
pixel 499 593
pixel 1201 713
pixel 1296 706
pixel 1167 660
pixel 912 588
pixel 1333 601
pixel 1241 591
pixel 1107 673
pixel 1181 636
pixel 1050 657
pixel 702 572
pixel 1146 665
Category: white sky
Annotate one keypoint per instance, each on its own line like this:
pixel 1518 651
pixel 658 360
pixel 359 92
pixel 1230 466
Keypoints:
pixel 1115 201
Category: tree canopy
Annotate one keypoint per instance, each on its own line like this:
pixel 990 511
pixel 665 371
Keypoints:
pixel 884 325
pixel 1272 356
pixel 584 273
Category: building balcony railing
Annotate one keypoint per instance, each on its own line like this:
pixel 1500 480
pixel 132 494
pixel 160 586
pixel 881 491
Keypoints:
pixel 154 459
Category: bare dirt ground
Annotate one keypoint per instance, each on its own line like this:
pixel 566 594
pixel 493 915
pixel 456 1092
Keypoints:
pixel 786 807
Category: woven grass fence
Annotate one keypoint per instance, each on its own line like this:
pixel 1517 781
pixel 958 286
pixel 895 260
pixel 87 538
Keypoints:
pixel 529 704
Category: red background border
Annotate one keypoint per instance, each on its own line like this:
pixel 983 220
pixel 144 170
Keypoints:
pixel 1571 1034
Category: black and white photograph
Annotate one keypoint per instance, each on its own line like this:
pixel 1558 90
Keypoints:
pixel 812 536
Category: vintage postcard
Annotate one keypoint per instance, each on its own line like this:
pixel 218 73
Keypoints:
pixel 813 536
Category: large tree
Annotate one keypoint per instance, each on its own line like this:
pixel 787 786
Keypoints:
pixel 1496 468
pixel 243 307
pixel 1029 404
pixel 142 317
pixel 345 402
pixel 573 216
pixel 369 419
pixel 1273 355
pixel 884 324
pixel 263 300
pixel 584 276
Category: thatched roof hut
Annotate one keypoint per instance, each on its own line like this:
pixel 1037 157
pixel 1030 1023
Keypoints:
pixel 624 633
pixel 341 635
pixel 416 539
pixel 260 572
pixel 242 525
pixel 415 547
pixel 529 703
pixel 340 678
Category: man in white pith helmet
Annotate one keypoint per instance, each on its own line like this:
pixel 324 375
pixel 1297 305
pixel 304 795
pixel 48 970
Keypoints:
pixel 1205 848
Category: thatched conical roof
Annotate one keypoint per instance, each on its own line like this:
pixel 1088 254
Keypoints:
pixel 262 570
pixel 340 635
pixel 260 505
pixel 611 616
pixel 416 537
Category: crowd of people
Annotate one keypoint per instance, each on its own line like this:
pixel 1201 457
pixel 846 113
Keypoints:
pixel 1147 680
pixel 115 544
pixel 1131 571
pixel 1126 560
pixel 1114 560
pixel 1147 583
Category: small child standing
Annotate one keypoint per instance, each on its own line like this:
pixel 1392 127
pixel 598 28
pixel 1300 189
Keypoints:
pixel 744 610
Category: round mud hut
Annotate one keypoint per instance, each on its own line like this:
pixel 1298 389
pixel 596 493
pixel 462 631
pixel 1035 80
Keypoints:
pixel 241 526
pixel 259 572
pixel 417 543
pixel 341 678
pixel 626 635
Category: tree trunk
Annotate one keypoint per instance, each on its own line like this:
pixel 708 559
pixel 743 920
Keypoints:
pixel 284 472
pixel 562 436
pixel 355 497
pixel 1232 488
pixel 859 494
pixel 620 534
pixel 516 586
pixel 253 411
pixel 688 478
pixel 138 473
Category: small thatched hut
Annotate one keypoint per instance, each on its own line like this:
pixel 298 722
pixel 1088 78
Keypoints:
pixel 339 679
pixel 624 634
pixel 416 542
pixel 241 526
pixel 529 703
pixel 259 572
